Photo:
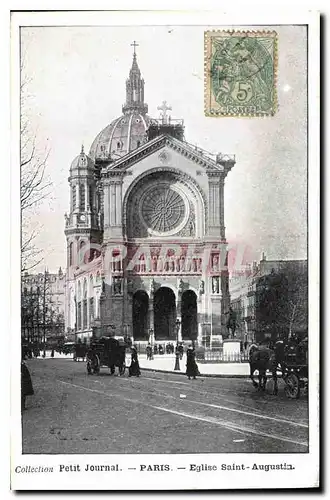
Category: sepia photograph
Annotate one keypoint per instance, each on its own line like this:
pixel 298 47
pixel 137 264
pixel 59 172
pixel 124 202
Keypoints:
pixel 166 277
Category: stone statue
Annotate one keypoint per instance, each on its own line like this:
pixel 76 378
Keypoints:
pixel 129 286
pixel 117 286
pixel 191 228
pixel 103 285
pixel 231 323
pixel 202 287
pixel 215 263
pixel 180 287
pixel 215 284
pixel 152 286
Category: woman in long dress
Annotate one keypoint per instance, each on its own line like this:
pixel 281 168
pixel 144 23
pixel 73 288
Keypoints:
pixel 134 369
pixel 26 384
pixel 191 365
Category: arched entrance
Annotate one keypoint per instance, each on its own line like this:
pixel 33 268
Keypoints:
pixel 140 315
pixel 189 315
pixel 164 314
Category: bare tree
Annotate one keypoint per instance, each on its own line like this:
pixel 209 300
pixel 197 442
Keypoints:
pixel 35 187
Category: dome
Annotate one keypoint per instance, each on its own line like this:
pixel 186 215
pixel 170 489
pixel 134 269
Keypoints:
pixel 121 136
pixel 82 161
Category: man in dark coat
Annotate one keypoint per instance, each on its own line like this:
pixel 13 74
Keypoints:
pixel 26 384
pixel 149 351
pixel 191 365
pixel 134 369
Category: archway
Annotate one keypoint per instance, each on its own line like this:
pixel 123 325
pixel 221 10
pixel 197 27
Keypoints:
pixel 189 326
pixel 164 314
pixel 140 315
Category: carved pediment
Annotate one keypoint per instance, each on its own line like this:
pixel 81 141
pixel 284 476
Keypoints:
pixel 186 150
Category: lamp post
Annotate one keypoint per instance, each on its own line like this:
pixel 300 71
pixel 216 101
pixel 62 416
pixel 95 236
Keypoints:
pixel 151 341
pixel 177 354
pixel 177 326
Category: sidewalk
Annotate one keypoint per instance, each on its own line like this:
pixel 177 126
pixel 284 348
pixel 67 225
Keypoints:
pixel 165 363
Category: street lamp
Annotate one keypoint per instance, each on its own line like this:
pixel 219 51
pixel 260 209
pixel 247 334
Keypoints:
pixel 177 326
pixel 177 353
pixel 151 341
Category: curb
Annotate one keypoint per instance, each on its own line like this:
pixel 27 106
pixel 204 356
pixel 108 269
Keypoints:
pixel 208 375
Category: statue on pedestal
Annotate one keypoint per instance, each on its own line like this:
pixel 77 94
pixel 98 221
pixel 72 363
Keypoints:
pixel 117 286
pixel 215 284
pixel 202 287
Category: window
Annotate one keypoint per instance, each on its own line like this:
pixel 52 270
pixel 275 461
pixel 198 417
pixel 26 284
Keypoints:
pixel 71 254
pixel 91 308
pixel 90 193
pixel 74 197
pixel 82 198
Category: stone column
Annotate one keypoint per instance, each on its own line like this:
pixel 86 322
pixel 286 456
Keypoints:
pixel 221 207
pixel 88 318
pixel 214 204
pixel 151 318
pixel 119 188
pixel 86 195
pixel 112 202
pixel 179 315
pixel 106 198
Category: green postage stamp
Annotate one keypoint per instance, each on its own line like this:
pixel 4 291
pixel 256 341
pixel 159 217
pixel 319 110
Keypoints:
pixel 240 73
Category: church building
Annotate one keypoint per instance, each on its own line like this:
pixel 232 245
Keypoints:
pixel 145 233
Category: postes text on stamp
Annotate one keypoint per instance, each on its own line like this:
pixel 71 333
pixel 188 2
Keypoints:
pixel 240 73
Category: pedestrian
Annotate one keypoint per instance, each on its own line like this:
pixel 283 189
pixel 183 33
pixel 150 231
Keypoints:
pixel 26 384
pixel 52 353
pixel 191 365
pixel 134 369
pixel 149 351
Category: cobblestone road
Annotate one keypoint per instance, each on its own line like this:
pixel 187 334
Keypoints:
pixel 72 412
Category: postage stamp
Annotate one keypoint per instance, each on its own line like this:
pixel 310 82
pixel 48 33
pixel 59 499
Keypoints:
pixel 240 73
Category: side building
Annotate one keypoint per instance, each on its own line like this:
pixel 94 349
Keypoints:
pixel 42 306
pixel 270 299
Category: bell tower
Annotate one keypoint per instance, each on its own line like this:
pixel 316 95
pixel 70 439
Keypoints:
pixel 83 224
pixel 83 227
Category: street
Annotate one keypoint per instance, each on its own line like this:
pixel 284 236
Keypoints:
pixel 72 412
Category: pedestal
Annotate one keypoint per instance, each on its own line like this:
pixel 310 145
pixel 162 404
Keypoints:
pixel 231 347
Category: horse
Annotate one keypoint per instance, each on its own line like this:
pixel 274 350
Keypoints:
pixel 262 358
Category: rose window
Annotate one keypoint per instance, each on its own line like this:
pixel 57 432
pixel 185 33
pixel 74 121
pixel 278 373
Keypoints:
pixel 163 208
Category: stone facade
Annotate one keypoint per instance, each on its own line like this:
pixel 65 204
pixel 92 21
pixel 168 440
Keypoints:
pixel 146 241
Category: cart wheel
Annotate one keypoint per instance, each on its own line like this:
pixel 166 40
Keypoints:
pixel 292 388
pixel 96 365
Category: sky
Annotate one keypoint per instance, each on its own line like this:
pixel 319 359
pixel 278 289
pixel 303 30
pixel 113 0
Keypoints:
pixel 76 86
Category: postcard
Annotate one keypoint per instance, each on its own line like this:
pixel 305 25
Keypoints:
pixel 165 328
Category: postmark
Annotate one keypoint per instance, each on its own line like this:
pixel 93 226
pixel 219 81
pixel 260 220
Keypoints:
pixel 240 73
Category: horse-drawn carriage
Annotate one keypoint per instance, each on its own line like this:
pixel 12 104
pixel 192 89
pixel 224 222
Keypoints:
pixel 80 351
pixel 108 352
pixel 288 358
pixel 294 367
